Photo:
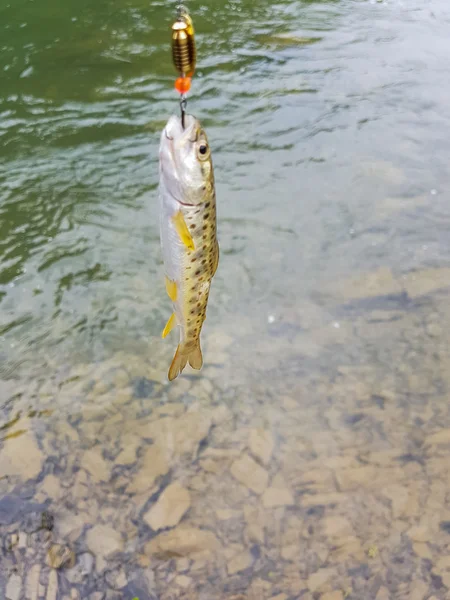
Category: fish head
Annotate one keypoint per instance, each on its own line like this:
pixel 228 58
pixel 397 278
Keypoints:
pixel 186 169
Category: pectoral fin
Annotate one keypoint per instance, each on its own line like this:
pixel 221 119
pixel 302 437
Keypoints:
pixel 171 289
pixel 183 231
pixel 169 325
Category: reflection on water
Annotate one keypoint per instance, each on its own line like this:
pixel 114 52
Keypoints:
pixel 309 458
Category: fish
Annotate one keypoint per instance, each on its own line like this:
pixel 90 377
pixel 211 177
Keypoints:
pixel 188 233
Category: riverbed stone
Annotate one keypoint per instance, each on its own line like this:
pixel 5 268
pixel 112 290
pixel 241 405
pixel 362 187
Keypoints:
pixel 154 464
pixel 336 526
pixel 261 445
pixel 182 541
pixel 14 587
pixel 32 583
pixel 21 457
pixel 116 579
pixel 49 488
pixel 168 511
pixel 336 595
pixel 426 281
pixel 94 463
pixel 179 436
pixel 249 473
pixel 183 581
pixel 319 579
pixel 277 494
pixel 240 562
pixel 60 557
pixel 52 587
pixel 104 541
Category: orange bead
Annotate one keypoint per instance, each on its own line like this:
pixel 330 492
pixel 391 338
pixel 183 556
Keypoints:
pixel 183 84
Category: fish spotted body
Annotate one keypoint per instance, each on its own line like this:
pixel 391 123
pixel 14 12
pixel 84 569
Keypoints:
pixel 188 233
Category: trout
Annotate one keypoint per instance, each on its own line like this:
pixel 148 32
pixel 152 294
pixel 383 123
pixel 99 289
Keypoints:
pixel 188 233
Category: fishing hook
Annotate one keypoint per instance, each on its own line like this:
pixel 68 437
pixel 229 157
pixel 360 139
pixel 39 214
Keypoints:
pixel 183 105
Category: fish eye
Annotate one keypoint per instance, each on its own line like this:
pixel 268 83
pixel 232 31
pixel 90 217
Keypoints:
pixel 203 150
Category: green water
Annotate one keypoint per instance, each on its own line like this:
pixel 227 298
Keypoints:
pixel 328 123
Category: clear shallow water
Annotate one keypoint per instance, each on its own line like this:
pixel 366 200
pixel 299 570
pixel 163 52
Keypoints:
pixel 327 318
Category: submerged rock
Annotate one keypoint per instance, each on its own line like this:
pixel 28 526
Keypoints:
pixel 13 587
pixel 249 473
pixel 261 445
pixel 32 584
pixel 168 511
pixel 60 557
pixel 21 457
pixel 104 541
pixel 277 494
pixel 154 464
pixel 52 588
pixel 96 465
pixel 182 541
pixel 239 563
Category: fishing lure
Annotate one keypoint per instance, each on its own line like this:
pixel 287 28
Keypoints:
pixel 184 55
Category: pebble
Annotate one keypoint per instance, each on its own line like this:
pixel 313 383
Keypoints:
pixel 182 435
pixel 60 557
pixel 22 541
pixel 336 595
pixel 383 594
pixel 32 584
pixel 94 463
pixel 318 579
pixel 52 588
pixel 277 494
pixel 238 563
pixel 170 508
pixel 104 541
pixel 261 445
pixel 225 514
pixel 183 581
pixel 154 465
pixel 336 526
pixel 439 437
pixel 182 541
pixel 21 457
pixel 49 488
pixel 380 282
pixel 422 550
pixel 116 579
pixel 426 281
pixel 13 587
pixel 250 473
pixel 419 533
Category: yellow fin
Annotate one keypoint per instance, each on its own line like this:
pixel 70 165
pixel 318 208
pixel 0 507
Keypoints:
pixel 195 357
pixel 178 363
pixel 183 231
pixel 171 289
pixel 169 325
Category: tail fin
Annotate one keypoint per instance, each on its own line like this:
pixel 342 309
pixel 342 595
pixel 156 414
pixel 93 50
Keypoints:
pixel 180 360
pixel 195 357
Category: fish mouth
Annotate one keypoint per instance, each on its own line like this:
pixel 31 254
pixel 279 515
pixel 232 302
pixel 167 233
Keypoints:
pixel 175 136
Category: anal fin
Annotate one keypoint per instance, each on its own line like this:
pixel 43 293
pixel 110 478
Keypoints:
pixel 169 325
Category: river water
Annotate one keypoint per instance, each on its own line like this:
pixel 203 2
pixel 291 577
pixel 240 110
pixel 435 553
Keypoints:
pixel 309 457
